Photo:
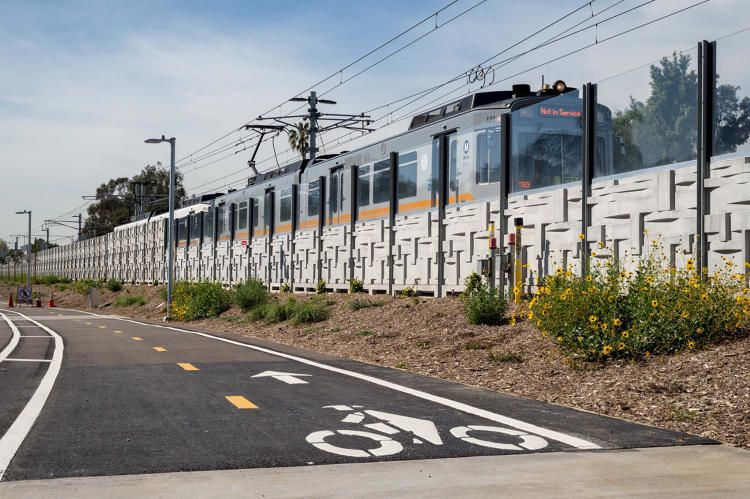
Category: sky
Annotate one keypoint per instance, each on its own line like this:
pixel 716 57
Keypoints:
pixel 85 82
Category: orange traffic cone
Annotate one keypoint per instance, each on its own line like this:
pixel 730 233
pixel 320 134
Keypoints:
pixel 51 301
pixel 10 300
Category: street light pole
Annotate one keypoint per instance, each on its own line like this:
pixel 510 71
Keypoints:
pixel 170 228
pixel 28 249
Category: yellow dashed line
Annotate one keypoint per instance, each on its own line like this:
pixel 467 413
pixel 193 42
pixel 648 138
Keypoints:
pixel 136 338
pixel 88 323
pixel 102 327
pixel 240 402
pixel 117 331
pixel 187 366
pixel 160 349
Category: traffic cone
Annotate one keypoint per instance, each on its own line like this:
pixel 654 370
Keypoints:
pixel 51 301
pixel 10 301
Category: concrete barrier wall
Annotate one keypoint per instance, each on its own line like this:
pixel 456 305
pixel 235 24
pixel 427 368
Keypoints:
pixel 628 213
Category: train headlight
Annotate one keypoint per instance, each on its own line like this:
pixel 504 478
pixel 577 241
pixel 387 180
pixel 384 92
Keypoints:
pixel 560 86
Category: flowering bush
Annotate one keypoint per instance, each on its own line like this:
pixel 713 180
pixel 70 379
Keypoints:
pixel 654 309
pixel 198 300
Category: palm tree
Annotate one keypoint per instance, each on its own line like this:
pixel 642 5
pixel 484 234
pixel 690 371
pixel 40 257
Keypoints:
pixel 298 138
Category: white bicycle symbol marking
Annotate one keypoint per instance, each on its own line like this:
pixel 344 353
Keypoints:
pixel 422 430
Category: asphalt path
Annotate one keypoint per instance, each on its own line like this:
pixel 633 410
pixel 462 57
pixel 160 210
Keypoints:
pixel 133 397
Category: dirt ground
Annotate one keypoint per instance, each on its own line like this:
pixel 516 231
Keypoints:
pixel 704 392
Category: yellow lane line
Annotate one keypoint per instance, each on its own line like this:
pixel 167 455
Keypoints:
pixel 136 338
pixel 117 331
pixel 240 402
pixel 102 327
pixel 160 349
pixel 88 323
pixel 187 366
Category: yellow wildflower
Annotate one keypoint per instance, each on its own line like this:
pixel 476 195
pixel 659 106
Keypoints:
pixel 607 350
pixel 691 345
pixel 581 236
pixel 559 339
pixel 625 334
pixel 593 319
pixel 580 339
pixel 621 346
pixel 654 303
pixel 699 330
pixel 604 326
pixel 685 314
pixel 616 322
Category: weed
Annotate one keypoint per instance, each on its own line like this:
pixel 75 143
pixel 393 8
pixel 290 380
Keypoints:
pixel 83 287
pixel 358 304
pixel 484 305
pixel 475 345
pixel 400 365
pixel 320 288
pixel 356 286
pixel 681 415
pixel 364 332
pixel 408 292
pixel 285 288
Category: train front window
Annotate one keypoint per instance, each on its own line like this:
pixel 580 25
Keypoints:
pixel 488 156
pixel 545 159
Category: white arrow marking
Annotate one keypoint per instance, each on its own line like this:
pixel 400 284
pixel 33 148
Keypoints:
pixel 288 378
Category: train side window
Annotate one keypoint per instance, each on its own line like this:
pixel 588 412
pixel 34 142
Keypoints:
pixel 208 225
pixel 407 175
pixel 363 185
pixel 195 225
pixel 285 205
pixel 381 185
pixel 333 195
pixel 313 198
pixel 488 156
pixel 242 216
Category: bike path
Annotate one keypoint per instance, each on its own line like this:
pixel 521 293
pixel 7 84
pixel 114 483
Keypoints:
pixel 140 398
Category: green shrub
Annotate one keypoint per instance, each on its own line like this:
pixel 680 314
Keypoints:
pixel 364 332
pixel 483 305
pixel 129 300
pixel 472 284
pixel 285 288
pixel 84 286
pixel 280 311
pixel 259 313
pixel 355 305
pixel 310 311
pixel 198 300
pixel 356 286
pixel 408 292
pixel 320 288
pixel 114 285
pixel 653 310
pixel 250 294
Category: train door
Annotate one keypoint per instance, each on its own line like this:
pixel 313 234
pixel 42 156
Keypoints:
pixel 336 196
pixel 268 217
pixel 444 165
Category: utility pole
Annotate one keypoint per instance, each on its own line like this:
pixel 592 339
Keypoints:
pixel 28 249
pixel 313 113
pixel 79 226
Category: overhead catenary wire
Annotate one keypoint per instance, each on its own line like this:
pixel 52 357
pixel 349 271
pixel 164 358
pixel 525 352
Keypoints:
pixel 555 59
pixel 333 74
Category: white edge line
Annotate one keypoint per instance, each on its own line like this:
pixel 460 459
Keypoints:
pixel 28 360
pixel 16 434
pixel 460 406
pixel 15 334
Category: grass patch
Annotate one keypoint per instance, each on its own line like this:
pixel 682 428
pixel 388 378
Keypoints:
pixel 475 345
pixel 83 287
pixel 504 357
pixel 364 333
pixel 681 415
pixel 129 301
pixel 310 311
pixel 483 305
pixel 399 365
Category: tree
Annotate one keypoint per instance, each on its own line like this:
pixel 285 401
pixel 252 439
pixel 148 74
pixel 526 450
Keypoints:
pixel 117 199
pixel 41 244
pixel 298 138
pixel 662 130
pixel 3 252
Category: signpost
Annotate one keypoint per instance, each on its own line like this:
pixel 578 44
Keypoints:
pixel 24 295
